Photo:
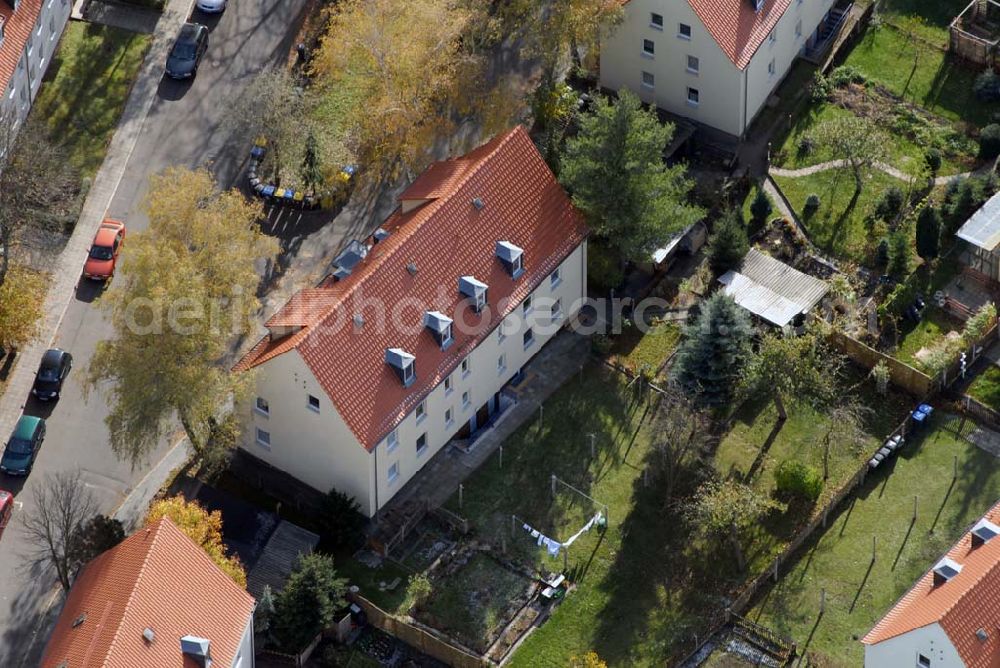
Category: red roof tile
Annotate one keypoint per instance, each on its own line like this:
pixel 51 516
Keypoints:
pixel 446 238
pixel 157 578
pixel 967 602
pixel 17 27
pixel 736 26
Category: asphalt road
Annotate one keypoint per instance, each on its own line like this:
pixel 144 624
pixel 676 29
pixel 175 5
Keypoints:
pixel 182 128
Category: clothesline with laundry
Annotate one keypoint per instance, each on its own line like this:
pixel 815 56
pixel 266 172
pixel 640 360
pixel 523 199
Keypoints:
pixel 552 546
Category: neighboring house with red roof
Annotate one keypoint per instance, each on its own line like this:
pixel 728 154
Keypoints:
pixel 713 61
pixel 951 616
pixel 29 34
pixel 413 338
pixel 155 599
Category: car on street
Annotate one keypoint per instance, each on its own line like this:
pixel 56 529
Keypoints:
pixel 211 6
pixel 51 373
pixel 103 256
pixel 19 455
pixel 6 508
pixel 185 56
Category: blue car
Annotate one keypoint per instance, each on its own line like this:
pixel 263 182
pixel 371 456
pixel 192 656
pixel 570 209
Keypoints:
pixel 19 455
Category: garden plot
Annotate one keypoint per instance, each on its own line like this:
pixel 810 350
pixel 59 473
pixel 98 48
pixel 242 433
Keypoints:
pixel 430 542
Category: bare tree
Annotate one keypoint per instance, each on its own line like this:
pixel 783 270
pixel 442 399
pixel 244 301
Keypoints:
pixel 846 429
pixel 62 504
pixel 684 430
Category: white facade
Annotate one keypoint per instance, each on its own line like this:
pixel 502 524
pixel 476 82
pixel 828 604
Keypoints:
pixel 35 53
pixel 926 647
pixel 725 97
pixel 244 655
pixel 314 444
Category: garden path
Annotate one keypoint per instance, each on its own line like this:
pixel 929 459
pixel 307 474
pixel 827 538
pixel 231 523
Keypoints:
pixel 888 169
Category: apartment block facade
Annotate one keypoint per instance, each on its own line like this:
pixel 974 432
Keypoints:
pixel 29 33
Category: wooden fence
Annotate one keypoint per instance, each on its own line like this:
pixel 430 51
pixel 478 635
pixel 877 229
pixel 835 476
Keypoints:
pixel 902 375
pixel 420 639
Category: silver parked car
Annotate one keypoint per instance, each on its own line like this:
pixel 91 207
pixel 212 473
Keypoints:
pixel 212 6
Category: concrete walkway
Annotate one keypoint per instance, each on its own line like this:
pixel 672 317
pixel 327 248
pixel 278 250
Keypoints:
pixel 559 361
pixel 888 169
pixel 117 15
pixel 70 262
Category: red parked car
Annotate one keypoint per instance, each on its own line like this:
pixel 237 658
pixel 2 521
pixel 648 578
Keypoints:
pixel 104 251
pixel 6 508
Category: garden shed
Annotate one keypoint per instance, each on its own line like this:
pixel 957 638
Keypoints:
pixel 981 233
pixel 974 34
pixel 772 290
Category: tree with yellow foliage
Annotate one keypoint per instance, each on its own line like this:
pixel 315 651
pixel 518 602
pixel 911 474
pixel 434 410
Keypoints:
pixel 187 292
pixel 203 527
pixel 21 297
pixel 588 660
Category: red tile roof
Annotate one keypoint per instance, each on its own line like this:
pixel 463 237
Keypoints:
pixel 157 578
pixel 969 601
pixel 736 26
pixel 446 238
pixel 17 27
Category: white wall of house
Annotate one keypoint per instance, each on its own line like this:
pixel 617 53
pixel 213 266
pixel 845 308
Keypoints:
pixel 904 651
pixel 244 657
pixel 321 451
pixel 728 99
pixel 35 57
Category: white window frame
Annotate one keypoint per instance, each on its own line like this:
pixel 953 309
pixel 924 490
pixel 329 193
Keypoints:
pixel 697 65
pixel 771 68
pixel 651 51
pixel 501 335
pixel 392 475
pixel 502 363
pixel 923 661
pixel 697 94
pixel 409 373
pixel 556 278
pixel 528 338
pixel 648 85
pixel 557 312
pixel 421 450
pixel 772 36
pixel 680 31
pixel 263 438
pixel 265 411
pixel 798 27
pixel 449 386
pixel 526 306
pixel 449 416
pixel 466 399
pixel 652 21
pixel 309 403
pixel 446 337
pixel 392 440
pixel 421 411
pixel 466 367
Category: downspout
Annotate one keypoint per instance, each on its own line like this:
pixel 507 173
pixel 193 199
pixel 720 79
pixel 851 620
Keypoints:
pixel 743 130
pixel 376 482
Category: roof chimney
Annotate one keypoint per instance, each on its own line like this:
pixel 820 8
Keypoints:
pixel 198 649
pixel 983 532
pixel 945 570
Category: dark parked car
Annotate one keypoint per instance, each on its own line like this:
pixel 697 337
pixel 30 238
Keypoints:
pixel 185 56
pixel 52 372
pixel 19 455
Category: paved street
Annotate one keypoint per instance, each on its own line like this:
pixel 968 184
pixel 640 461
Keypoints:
pixel 181 129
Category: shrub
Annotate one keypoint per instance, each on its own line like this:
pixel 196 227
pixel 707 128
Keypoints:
pixel 900 254
pixel 933 161
pixel 728 244
pixel 795 479
pixel 928 233
pixel 819 90
pixel 341 520
pixel 989 142
pixel 882 253
pixel 987 86
pixel 812 205
pixel 890 204
pixel 847 74
pixel 761 206
pixel 980 323
pixel 417 591
pixel 806 145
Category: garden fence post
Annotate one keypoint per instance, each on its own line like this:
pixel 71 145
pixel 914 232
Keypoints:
pixel 874 539
pixel 565 559
pixel 513 521
pixel 954 468
pixel 914 507
pixel 501 456
pixel 461 494
pixel 553 486
pixel 822 600
pixel 593 445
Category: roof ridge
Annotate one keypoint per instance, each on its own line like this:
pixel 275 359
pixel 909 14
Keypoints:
pixel 138 577
pixel 428 208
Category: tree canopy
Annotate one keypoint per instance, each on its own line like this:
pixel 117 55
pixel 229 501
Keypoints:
pixel 858 141
pixel 615 172
pixel 187 292
pixel 928 233
pixel 204 528
pixel 21 297
pixel 728 243
pixel 727 508
pixel 801 369
pixel 307 604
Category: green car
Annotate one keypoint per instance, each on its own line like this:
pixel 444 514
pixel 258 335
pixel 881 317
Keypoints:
pixel 19 455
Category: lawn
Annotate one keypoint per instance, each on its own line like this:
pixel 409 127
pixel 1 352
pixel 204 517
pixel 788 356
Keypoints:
pixel 837 227
pixel 858 591
pixel 927 18
pixel 86 87
pixel 933 326
pixel 920 74
pixel 986 387
pixel 637 350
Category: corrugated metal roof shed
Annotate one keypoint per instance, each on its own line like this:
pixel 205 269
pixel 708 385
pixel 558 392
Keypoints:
pixel 771 289
pixel 983 228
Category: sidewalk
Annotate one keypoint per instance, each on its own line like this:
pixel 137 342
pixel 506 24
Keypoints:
pixel 69 264
pixel 559 361
pixel 118 15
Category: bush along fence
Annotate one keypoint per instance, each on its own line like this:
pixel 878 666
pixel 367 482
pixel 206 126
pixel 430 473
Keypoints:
pixel 275 194
pixel 902 375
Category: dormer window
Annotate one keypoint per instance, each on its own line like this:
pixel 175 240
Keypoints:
pixel 440 326
pixel 945 570
pixel 758 5
pixel 983 532
pixel 403 363
pixel 475 291
pixel 512 258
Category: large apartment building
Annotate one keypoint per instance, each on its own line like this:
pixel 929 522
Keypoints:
pixel 29 34
pixel 412 339
pixel 713 61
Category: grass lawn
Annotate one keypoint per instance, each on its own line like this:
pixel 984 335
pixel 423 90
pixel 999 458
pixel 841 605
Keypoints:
pixel 636 350
pixel 986 387
pixel 859 592
pixel 835 227
pixel 927 18
pixel 86 87
pixel 933 326
pixel 920 74
pixel 903 153
pixel 745 451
